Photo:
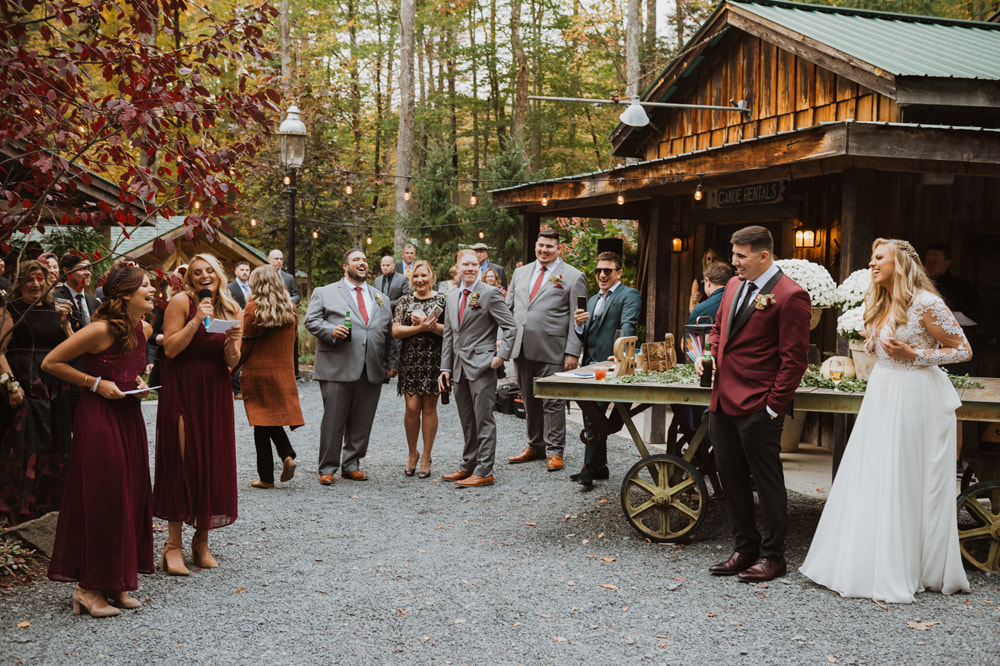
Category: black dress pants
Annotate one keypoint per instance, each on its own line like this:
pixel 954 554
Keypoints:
pixel 262 437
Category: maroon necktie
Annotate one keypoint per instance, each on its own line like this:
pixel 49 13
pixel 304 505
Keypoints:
pixel 361 305
pixel 461 307
pixel 538 284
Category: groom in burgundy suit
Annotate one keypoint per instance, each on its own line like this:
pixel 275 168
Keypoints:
pixel 759 345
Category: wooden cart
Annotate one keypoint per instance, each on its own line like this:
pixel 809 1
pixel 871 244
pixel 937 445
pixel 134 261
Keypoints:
pixel 665 496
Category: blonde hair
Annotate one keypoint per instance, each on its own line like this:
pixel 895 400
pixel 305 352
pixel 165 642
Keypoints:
pixel 224 306
pixel 888 305
pixel 423 264
pixel 267 290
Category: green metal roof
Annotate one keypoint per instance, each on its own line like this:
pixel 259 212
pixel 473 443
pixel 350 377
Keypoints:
pixel 900 44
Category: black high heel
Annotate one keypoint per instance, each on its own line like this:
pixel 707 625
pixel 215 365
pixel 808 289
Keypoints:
pixel 424 475
pixel 410 471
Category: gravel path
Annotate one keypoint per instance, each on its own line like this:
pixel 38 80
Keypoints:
pixel 533 570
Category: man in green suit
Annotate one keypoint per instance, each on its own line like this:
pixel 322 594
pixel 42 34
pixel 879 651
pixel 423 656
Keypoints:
pixel 614 308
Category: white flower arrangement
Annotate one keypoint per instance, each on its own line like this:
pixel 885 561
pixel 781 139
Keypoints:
pixel 851 292
pixel 851 323
pixel 812 277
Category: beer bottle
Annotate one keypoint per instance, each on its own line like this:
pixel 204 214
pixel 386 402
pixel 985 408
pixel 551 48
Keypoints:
pixel 347 325
pixel 706 364
pixel 446 392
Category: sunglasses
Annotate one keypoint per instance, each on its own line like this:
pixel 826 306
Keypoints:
pixel 605 271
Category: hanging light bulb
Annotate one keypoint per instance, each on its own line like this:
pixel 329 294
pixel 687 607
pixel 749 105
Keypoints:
pixel 427 240
pixel 473 199
pixel 621 199
pixel 253 221
pixel 698 194
pixel 369 239
pixel 348 189
pixel 315 234
pixel 545 197
pixel 406 192
pixel 481 234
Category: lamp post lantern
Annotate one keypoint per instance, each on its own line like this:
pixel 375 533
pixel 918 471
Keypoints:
pixel 292 134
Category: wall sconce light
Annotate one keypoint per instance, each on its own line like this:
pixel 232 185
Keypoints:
pixel 806 238
pixel 545 197
pixel 698 193
pixel 679 243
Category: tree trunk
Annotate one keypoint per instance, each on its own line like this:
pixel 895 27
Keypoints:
pixel 404 142
pixel 355 83
pixel 520 110
pixel 649 42
pixel 285 46
pixel 633 39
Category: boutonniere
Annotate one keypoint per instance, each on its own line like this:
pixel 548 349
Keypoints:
pixel 474 301
pixel 764 301
pixel 557 280
pixel 378 299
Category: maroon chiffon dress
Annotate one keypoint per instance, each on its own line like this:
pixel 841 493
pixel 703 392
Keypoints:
pixel 197 487
pixel 105 532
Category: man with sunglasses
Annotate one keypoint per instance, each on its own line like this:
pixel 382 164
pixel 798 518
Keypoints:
pixel 615 307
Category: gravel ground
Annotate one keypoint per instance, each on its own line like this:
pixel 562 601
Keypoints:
pixel 533 570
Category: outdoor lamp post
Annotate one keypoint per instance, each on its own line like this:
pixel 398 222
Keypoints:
pixel 293 135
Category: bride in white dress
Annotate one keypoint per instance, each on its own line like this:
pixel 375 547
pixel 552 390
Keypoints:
pixel 889 528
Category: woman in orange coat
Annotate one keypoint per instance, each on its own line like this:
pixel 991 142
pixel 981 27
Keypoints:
pixel 270 394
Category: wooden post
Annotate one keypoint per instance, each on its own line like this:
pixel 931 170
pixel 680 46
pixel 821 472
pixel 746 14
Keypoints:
pixel 531 223
pixel 659 294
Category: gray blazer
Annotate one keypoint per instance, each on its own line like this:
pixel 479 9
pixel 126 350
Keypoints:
pixel 469 349
pixel 396 287
pixel 546 331
pixel 290 285
pixel 342 361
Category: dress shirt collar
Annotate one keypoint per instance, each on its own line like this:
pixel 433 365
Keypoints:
pixel 765 277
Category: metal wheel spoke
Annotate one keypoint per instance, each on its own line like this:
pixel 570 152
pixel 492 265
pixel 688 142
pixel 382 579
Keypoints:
pixel 686 510
pixel 993 561
pixel 683 485
pixel 975 533
pixel 645 485
pixel 672 487
pixel 976 509
pixel 642 508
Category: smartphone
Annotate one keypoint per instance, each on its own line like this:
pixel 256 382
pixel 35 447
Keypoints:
pixel 581 302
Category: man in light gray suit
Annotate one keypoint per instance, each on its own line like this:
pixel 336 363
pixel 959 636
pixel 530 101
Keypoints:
pixel 351 364
pixel 543 296
pixel 469 359
pixel 391 283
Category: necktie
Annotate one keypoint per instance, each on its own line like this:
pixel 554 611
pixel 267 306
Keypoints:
pixel 461 307
pixel 408 276
pixel 361 305
pixel 84 319
pixel 599 308
pixel 748 295
pixel 246 288
pixel 538 284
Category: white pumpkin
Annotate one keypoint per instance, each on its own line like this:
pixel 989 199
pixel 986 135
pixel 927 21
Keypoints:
pixel 849 372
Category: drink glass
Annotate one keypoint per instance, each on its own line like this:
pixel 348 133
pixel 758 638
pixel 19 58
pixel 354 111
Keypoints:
pixel 836 369
pixel 600 373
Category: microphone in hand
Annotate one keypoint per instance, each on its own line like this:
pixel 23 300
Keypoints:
pixel 206 295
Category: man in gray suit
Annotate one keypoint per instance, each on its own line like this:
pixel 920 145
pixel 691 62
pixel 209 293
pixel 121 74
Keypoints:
pixel 350 366
pixel 277 259
pixel 614 308
pixel 469 359
pixel 543 296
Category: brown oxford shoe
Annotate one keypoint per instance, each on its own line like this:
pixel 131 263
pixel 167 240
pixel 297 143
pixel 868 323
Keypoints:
pixel 764 569
pixel 736 563
pixel 475 481
pixel 456 476
pixel 527 455
pixel 355 475
pixel 326 479
pixel 555 462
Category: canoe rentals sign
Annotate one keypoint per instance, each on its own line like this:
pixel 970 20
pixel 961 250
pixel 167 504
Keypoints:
pixel 747 195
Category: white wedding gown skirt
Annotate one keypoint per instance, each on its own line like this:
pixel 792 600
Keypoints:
pixel 889 528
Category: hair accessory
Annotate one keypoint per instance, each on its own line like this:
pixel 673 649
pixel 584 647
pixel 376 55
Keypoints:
pixel 908 249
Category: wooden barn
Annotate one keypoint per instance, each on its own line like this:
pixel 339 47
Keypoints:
pixel 858 125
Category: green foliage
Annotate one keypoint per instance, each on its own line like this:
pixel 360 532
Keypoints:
pixel 963 381
pixel 579 246
pixel 679 374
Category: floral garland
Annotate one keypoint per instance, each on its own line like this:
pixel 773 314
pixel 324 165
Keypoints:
pixel 812 277
pixel 852 322
pixel 851 292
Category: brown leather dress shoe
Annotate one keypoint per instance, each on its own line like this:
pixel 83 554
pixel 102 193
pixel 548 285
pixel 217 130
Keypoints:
pixel 736 563
pixel 527 455
pixel 456 476
pixel 475 481
pixel 764 569
pixel 326 479
pixel 555 462
pixel 355 475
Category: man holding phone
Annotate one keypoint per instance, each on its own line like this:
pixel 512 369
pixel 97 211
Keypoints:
pixel 469 359
pixel 615 308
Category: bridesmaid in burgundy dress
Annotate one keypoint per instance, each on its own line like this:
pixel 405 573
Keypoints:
pixel 195 476
pixel 105 535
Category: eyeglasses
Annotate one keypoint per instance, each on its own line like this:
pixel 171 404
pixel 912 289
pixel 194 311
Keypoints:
pixel 605 271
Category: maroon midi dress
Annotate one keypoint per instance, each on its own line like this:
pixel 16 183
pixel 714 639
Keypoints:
pixel 104 536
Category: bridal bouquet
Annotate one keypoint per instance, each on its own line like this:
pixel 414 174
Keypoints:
pixel 851 292
pixel 851 323
pixel 812 277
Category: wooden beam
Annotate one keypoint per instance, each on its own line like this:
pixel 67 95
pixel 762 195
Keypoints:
pixel 531 224
pixel 659 295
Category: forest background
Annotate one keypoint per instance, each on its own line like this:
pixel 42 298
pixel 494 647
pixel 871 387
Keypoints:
pixel 226 73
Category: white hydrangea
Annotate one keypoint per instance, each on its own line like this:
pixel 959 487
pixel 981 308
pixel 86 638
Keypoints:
pixel 851 292
pixel 812 277
pixel 851 323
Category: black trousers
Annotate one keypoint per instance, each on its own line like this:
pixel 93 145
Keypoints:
pixel 745 446
pixel 262 437
pixel 596 454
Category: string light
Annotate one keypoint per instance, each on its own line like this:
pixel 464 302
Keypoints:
pixel 253 221
pixel 698 194
pixel 315 234
pixel 481 234
pixel 369 239
pixel 545 197
pixel 473 199
pixel 621 199
pixel 427 240
pixel 406 192
pixel 348 189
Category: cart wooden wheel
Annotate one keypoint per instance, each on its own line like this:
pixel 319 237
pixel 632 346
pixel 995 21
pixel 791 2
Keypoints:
pixel 979 525
pixel 664 497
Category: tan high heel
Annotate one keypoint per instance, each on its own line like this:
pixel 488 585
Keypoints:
pixel 200 554
pixel 121 599
pixel 173 560
pixel 81 602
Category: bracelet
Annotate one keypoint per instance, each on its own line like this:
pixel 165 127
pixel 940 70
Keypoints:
pixel 193 323
pixel 97 382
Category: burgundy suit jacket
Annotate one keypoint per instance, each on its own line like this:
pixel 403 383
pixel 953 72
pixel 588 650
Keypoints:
pixel 761 363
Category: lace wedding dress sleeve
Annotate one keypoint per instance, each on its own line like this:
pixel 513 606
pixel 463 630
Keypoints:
pixel 941 324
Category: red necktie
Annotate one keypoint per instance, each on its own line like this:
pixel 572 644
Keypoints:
pixel 461 307
pixel 361 305
pixel 538 284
